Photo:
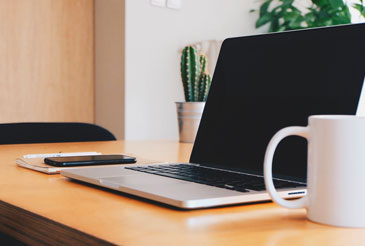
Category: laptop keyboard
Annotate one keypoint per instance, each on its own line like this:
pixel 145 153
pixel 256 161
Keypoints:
pixel 218 178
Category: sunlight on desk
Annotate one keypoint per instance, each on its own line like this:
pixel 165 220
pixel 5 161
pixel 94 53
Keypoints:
pixel 91 213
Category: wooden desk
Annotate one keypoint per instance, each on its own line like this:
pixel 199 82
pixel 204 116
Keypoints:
pixel 38 208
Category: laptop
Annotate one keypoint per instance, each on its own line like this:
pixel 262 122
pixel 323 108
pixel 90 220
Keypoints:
pixel 261 84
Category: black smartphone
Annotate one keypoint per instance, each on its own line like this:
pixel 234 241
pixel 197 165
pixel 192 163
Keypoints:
pixel 69 161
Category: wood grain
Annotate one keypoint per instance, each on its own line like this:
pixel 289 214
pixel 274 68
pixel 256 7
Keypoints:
pixel 127 220
pixel 109 65
pixel 33 229
pixel 46 60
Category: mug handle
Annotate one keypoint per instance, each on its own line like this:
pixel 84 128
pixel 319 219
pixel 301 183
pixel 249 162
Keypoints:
pixel 280 135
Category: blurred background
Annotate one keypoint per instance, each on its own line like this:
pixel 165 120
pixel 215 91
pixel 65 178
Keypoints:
pixel 116 63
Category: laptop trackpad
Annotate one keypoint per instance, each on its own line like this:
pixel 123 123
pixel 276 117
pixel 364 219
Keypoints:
pixel 136 180
pixel 165 187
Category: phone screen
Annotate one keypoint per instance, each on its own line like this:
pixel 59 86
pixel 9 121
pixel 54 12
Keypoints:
pixel 89 160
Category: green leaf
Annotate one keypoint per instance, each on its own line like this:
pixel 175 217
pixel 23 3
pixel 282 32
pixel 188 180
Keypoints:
pixel 358 6
pixel 296 23
pixel 263 20
pixel 274 26
pixel 281 29
pixel 319 3
pixel 264 7
pixel 310 17
pixel 336 3
pixel 277 10
pixel 291 16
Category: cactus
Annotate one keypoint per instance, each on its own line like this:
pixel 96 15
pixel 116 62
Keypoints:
pixel 190 72
pixel 203 63
pixel 205 82
pixel 195 78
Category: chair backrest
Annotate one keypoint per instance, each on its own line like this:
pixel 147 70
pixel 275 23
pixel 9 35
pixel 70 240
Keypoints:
pixel 52 132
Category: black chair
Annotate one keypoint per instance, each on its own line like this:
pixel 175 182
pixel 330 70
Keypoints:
pixel 52 132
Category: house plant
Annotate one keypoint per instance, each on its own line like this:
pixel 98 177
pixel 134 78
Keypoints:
pixel 196 83
pixel 283 15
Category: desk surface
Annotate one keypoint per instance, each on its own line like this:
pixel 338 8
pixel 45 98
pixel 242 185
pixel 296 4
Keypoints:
pixel 36 207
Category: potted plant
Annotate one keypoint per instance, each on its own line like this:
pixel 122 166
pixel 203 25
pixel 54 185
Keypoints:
pixel 196 82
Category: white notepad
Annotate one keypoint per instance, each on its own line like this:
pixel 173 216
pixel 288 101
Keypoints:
pixel 36 161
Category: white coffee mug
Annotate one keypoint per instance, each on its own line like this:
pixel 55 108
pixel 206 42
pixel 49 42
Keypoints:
pixel 336 169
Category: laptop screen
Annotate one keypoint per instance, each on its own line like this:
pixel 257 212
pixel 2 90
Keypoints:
pixel 267 82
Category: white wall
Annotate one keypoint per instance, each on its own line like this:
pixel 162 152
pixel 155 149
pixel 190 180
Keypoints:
pixel 153 38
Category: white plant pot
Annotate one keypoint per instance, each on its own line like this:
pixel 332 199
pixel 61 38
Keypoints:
pixel 188 116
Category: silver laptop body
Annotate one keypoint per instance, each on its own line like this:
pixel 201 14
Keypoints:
pixel 261 84
pixel 178 193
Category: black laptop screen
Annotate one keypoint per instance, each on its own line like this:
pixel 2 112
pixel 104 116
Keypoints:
pixel 266 82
